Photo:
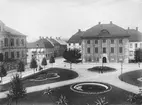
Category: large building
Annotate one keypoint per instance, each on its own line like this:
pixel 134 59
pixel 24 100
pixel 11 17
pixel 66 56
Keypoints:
pixel 40 48
pixel 12 45
pixel 135 41
pixel 105 43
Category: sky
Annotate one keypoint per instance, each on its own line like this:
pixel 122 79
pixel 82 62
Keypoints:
pixel 63 18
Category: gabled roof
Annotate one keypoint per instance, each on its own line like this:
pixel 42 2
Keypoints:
pixel 135 35
pixel 111 30
pixel 42 43
pixel 60 41
pixel 76 38
pixel 56 43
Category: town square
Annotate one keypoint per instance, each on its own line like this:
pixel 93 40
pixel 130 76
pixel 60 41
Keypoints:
pixel 52 53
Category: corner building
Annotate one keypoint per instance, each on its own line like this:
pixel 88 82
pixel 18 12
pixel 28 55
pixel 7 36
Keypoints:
pixel 105 43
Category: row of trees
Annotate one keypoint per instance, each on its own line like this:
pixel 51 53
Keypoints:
pixel 34 65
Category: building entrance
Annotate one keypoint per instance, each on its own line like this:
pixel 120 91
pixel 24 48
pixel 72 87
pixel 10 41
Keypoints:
pixel 104 60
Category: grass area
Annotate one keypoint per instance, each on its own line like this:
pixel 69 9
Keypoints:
pixel 131 77
pixel 101 69
pixel 64 74
pixel 115 96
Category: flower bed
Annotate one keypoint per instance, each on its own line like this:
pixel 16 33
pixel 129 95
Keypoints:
pixel 45 76
pixel 102 69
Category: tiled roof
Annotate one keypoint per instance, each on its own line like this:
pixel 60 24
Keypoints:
pixel 62 42
pixel 42 43
pixel 76 38
pixel 112 29
pixel 8 30
pixel 54 41
pixel 12 31
pixel 135 35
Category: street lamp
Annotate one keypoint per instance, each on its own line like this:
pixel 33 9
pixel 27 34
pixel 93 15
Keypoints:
pixel 121 70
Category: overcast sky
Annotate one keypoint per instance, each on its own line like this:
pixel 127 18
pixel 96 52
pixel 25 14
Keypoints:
pixel 63 18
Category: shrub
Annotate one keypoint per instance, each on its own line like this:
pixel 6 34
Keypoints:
pixel 3 71
pixel 44 62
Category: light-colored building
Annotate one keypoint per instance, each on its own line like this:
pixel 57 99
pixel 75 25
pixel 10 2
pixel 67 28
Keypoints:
pixel 40 48
pixel 75 41
pixel 135 41
pixel 12 45
pixel 105 43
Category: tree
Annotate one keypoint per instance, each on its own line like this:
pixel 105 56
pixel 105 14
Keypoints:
pixel 62 100
pixel 20 67
pixel 3 71
pixel 72 56
pixel 138 55
pixel 52 60
pixel 44 62
pixel 33 64
pixel 17 90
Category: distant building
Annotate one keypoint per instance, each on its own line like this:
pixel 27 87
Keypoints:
pixel 105 43
pixel 12 45
pixel 40 48
pixel 135 41
pixel 75 41
pixel 59 46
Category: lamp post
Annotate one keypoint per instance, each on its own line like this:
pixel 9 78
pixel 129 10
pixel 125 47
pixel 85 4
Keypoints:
pixel 121 70
pixel 37 55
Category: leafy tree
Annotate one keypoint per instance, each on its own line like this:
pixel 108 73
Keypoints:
pixel 72 56
pixel 3 72
pixel 44 62
pixel 52 60
pixel 17 90
pixel 20 67
pixel 33 64
pixel 138 55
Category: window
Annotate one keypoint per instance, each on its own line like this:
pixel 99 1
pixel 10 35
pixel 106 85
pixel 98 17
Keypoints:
pixel 6 55
pixel 96 49
pixel 104 40
pixel 88 41
pixel 88 50
pixel 136 45
pixel 120 50
pixel 96 41
pixel 12 42
pixel 22 53
pixel 12 54
pixel 112 49
pixel 5 41
pixel 140 45
pixel 104 50
pixel 22 42
pixel 18 55
pixel 112 41
pixel 17 42
pixel 131 45
pixel 120 41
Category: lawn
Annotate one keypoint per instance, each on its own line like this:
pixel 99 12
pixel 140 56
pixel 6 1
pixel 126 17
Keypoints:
pixel 115 96
pixel 64 74
pixel 131 77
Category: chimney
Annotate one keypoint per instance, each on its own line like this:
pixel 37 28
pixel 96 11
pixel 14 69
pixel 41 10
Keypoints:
pixel 46 37
pixel 40 37
pixel 128 28
pixel 50 37
pixel 136 28
pixel 99 23
pixel 110 22
pixel 79 30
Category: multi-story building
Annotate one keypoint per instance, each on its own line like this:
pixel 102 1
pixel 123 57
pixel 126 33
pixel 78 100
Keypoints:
pixel 75 41
pixel 13 44
pixel 105 43
pixel 135 41
pixel 40 48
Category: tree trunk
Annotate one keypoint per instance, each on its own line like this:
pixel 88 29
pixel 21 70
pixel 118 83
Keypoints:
pixel 16 101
